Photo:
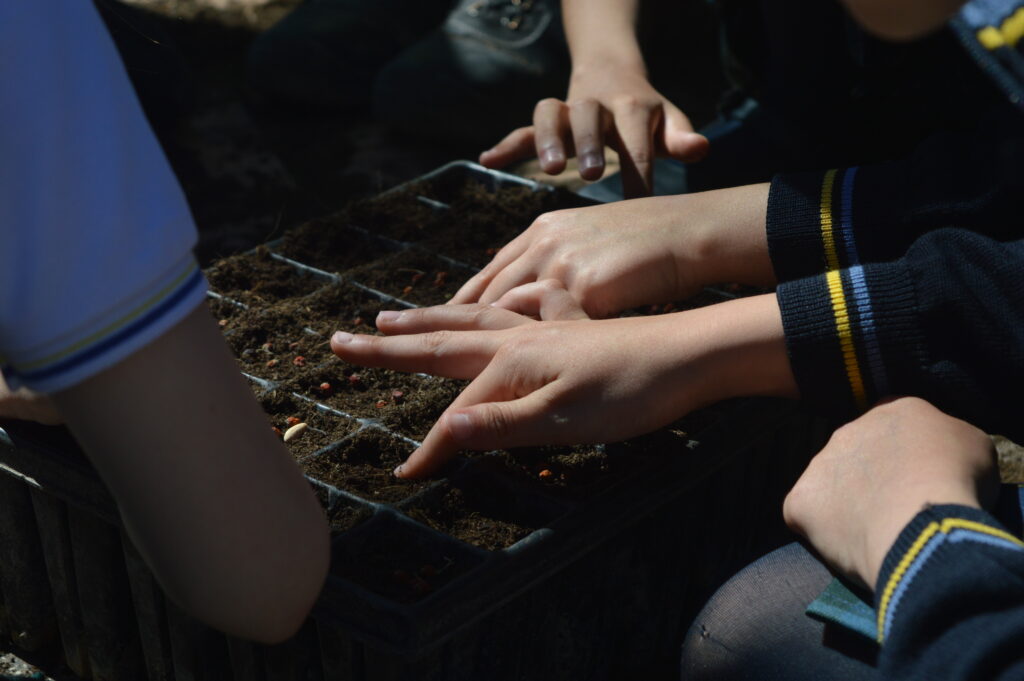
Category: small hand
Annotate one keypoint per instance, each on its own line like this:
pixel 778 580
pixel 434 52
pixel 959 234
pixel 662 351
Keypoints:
pixel 571 382
pixel 878 472
pixel 616 106
pixel 637 252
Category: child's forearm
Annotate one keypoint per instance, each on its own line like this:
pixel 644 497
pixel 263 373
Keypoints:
pixel 602 32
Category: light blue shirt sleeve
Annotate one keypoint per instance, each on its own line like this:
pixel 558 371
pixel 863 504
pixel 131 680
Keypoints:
pixel 96 237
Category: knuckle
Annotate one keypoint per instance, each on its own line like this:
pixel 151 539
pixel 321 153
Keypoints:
pixel 547 103
pixel 584 104
pixel 482 315
pixel 497 421
pixel 435 342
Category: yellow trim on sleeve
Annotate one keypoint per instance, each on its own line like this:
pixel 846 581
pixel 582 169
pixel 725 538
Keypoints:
pixel 845 333
pixel 922 540
pixel 108 330
pixel 827 236
pixel 1008 33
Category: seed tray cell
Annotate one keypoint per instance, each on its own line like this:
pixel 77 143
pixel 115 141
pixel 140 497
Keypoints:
pixel 331 245
pixel 413 275
pixel 362 465
pixel 257 278
pixel 609 550
pixel 501 513
pixel 323 426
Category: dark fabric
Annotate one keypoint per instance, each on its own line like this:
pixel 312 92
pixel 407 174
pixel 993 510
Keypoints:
pixel 953 586
pixel 945 323
pixel 972 180
pixel 754 628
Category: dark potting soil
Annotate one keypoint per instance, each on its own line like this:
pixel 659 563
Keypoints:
pixel 474 515
pixel 364 393
pixel 322 428
pixel 256 277
pixel 330 245
pixel 480 221
pixel 414 276
pixel 422 407
pixel 363 465
pixel 275 345
pixel 344 517
pixel 336 307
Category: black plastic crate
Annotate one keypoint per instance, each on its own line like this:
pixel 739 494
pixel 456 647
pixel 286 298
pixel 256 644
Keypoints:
pixel 600 584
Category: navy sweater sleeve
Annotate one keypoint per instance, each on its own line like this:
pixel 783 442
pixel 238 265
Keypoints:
pixel 945 323
pixel 819 221
pixel 950 600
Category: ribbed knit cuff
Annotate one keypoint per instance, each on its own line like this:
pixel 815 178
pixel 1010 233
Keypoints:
pixel 848 332
pixel 929 543
pixel 794 225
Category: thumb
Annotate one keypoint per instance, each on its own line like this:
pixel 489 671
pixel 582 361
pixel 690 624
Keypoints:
pixel 677 138
pixel 490 425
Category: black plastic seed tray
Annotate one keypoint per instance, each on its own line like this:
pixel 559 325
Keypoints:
pixel 594 581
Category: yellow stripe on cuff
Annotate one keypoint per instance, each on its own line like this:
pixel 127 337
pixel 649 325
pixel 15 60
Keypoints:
pixel 827 236
pixel 844 331
pixel 1008 33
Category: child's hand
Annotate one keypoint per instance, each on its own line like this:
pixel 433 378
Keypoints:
pixel 613 105
pixel 574 382
pixel 640 252
pixel 878 472
pixel 26 405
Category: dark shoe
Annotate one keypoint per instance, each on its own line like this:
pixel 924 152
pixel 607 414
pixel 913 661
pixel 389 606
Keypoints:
pixel 326 53
pixel 480 75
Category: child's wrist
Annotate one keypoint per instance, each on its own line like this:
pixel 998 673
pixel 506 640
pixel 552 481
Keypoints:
pixel 731 244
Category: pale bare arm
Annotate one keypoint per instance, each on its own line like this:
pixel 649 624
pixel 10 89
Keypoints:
pixel 211 498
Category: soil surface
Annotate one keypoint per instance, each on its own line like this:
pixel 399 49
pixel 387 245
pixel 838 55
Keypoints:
pixel 322 428
pixel 363 465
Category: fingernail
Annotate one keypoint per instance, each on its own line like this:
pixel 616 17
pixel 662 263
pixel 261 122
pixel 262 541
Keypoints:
pixel 460 426
pixel 388 316
pixel 342 337
pixel 591 160
pixel 398 470
pixel 551 156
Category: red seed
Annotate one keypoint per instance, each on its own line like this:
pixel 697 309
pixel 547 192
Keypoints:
pixel 545 474
pixel 292 420
pixel 416 277
pixel 407 290
pixel 440 279
pixel 267 346
pixel 222 323
pixel 355 379
pixel 299 361
pixel 397 395
pixel 271 363
pixel 325 387
pixel 381 404
pixel 277 431
pixel 358 321
pixel 293 345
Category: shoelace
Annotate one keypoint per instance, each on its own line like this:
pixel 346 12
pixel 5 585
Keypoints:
pixel 510 13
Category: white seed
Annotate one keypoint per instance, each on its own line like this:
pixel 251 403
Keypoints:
pixel 295 431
